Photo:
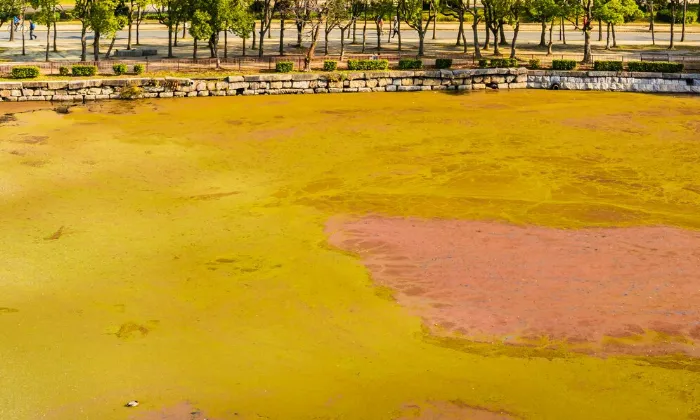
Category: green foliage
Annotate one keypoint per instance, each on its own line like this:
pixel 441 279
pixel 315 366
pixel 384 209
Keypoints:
pixel 284 66
pixel 616 11
pixel 9 9
pixel 119 69
pixel 443 63
pixel 330 65
pixel 483 63
pixel 564 64
pixel 138 68
pixel 25 72
pixel 503 62
pixel 410 64
pixel 83 70
pixel 543 10
pixel 607 66
pixel 64 71
pixel 655 66
pixel 664 15
pixel 535 63
pixel 199 26
pixel 130 92
pixel 368 64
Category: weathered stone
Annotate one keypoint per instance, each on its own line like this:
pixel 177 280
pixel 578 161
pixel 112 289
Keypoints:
pixel 22 99
pixel 299 77
pixel 350 90
pixel 36 98
pixel 201 86
pixel 335 90
pixel 355 76
pixel 364 89
pixel 439 87
pixel 308 91
pixel 304 84
pixel 10 85
pixel 165 95
pixel 27 92
pixel 391 88
pixel 181 94
pixel 372 83
pixel 89 97
pixel 357 84
pixel 191 94
pixel 408 88
pixel 521 85
pixel 34 85
pixel 321 90
pixel 5 93
pixel 478 86
pixel 16 92
pixel 406 82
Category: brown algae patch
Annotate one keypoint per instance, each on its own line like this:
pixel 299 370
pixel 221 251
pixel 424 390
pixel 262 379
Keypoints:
pixel 294 329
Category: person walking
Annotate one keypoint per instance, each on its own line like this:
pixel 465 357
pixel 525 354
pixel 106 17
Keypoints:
pixel 32 27
pixel 395 26
pixel 15 21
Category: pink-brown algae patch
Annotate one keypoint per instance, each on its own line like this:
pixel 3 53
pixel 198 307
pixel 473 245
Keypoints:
pixel 452 410
pixel 616 290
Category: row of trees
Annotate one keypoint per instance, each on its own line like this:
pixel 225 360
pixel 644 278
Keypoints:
pixel 206 20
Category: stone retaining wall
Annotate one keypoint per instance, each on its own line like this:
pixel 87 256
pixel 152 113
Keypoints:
pixel 614 81
pixel 312 83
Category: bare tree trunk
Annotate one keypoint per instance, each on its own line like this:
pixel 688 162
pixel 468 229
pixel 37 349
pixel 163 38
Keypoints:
pixel 312 48
pixel 184 30
pixel 613 34
pixel 475 31
pixel 128 40
pixel 170 42
pixel 55 36
pixel 342 43
pixel 48 39
pixel 12 31
pixel 561 24
pixel 254 44
pixel 300 29
pixel 685 10
pixel 24 50
pixel 550 43
pixel 379 38
pixel 226 44
pixel 496 50
pixel 96 46
pixel 673 23
pixel 354 32
pixel 460 30
pixel 588 11
pixel 364 29
pixel 282 36
pixel 261 40
pixel 83 43
pixel 244 40
pixel 194 50
pixel 421 43
pixel 111 45
pixel 325 44
pixel 398 27
pixel 600 29
pixel 651 23
pixel 488 37
pixel 177 31
pixel 543 34
pixel 432 10
pixel 502 33
pixel 563 31
pixel 607 41
pixel 515 37
pixel 138 24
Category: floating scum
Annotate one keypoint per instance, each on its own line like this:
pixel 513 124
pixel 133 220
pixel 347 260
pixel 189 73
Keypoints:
pixel 257 257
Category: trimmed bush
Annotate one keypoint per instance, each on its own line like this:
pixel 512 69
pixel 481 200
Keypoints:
pixel 284 66
pixel 330 65
pixel 607 66
pixel 131 92
pixel 503 62
pixel 534 63
pixel 655 66
pixel 138 68
pixel 443 63
pixel 564 64
pixel 25 72
pixel 119 69
pixel 82 70
pixel 368 64
pixel 64 71
pixel 410 64
pixel 483 63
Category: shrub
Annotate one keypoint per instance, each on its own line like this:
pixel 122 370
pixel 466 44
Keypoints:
pixel 607 66
pixel 655 66
pixel 410 64
pixel 119 69
pixel 330 65
pixel 82 70
pixel 368 64
pixel 64 71
pixel 564 64
pixel 534 63
pixel 25 72
pixel 443 63
pixel 503 62
pixel 664 15
pixel 138 68
pixel 483 63
pixel 130 92
pixel 284 66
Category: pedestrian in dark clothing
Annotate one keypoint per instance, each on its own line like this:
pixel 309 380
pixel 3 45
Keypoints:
pixel 32 26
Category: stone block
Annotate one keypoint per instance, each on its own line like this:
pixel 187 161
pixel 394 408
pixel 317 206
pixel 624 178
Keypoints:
pixel 521 85
pixel 16 93
pixel 203 93
pixel 364 89
pixel 478 86
pixel 249 92
pixel 303 84
pixel 21 99
pixel 321 90
pixel 191 94
pixel 372 83
pixel 391 88
pixel 439 87
pixel 235 79
pixel 426 88
pixel 335 90
pixel 149 95
pixel 308 91
pixel 465 87
pixel 409 88
pixel 378 89
pixel 286 85
pixel 348 89
pixel 89 97
pixel 35 85
pixel 36 98
pixel 181 94
pixel 200 86
pixel 400 74
pixel 300 77
pixel 27 92
pixel 5 93
pixel 407 81
pixel 211 86
pixel 357 84
pixel 10 85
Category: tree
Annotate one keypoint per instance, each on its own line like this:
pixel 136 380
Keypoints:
pixel 543 11
pixel 82 13
pixel 340 14
pixel 458 9
pixel 121 19
pixel 412 14
pixel 674 7
pixel 614 12
pixel 268 10
pixel 517 8
pixel 168 12
pixel 8 10
pixel 199 28
pixel 495 13
pixel 46 15
pixel 103 19
pixel 318 10
pixel 242 21
pixel 685 11
pixel 134 14
pixel 381 9
pixel 301 16
pixel 587 9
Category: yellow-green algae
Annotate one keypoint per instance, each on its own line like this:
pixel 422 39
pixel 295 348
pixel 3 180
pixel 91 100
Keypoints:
pixel 192 263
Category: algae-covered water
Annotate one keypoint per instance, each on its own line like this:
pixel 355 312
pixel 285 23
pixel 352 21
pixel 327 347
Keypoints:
pixel 173 251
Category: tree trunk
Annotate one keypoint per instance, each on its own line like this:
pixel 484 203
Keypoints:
pixel 177 31
pixel 607 40
pixel 561 24
pixel 300 28
pixel 464 40
pixel 600 29
pixel 502 34
pixel 379 38
pixel 421 42
pixel 475 32
pixel 96 46
pixel 138 25
pixel 261 51
pixel 613 34
pixel 460 30
pixel 24 50
pixel 225 44
pixel 128 39
pixel 563 31
pixel 83 43
pixel 651 24
pixel 496 50
pixel 364 30
pixel 12 31
pixel 170 42
pixel 432 9
pixel 488 37
pixel 354 32
pixel 55 36
pixel 282 36
pixel 398 27
pixel 111 45
pixel 254 46
pixel 673 23
pixel 48 40
pixel 587 54
pixel 244 40
pixel 549 44
pixel 342 43
pixel 312 48
pixel 194 50
pixel 214 45
pixel 325 45
pixel 184 30
pixel 685 10
pixel 543 34
pixel 515 37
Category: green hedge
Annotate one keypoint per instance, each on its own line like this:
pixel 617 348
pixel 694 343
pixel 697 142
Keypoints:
pixel 483 63
pixel 25 72
pixel 443 63
pixel 82 70
pixel 119 69
pixel 330 65
pixel 284 66
pixel 503 62
pixel 534 63
pixel 564 64
pixel 64 71
pixel 410 64
pixel 607 66
pixel 368 64
pixel 138 68
pixel 655 66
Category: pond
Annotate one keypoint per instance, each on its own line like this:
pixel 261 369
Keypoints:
pixel 492 255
